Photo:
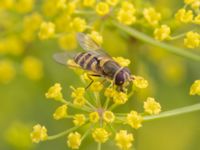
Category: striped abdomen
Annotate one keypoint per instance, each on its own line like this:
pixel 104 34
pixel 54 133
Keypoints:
pixel 87 61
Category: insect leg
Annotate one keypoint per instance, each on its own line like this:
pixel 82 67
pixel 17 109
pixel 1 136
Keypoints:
pixel 90 77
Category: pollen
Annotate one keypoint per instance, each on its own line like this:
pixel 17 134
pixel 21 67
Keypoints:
pixel 195 88
pixel 39 133
pixel 47 30
pixel 124 140
pixel 60 113
pixel 94 117
pixel 152 16
pixel 151 106
pixel 162 33
pixel 108 116
pixel 54 92
pixel 192 40
pixel 79 119
pixel 74 140
pixel 134 119
pixel 100 135
pixel 102 8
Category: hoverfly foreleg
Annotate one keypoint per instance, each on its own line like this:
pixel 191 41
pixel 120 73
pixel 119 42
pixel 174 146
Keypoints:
pixel 90 77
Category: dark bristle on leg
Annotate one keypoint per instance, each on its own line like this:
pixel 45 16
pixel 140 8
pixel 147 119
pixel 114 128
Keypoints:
pixel 89 76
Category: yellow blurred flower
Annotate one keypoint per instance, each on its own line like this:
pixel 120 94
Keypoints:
pixel 197 19
pixel 54 92
pixel 47 30
pixel 140 82
pixel 152 16
pixel 79 119
pixel 184 16
pixel 195 88
pixel 39 133
pixel 60 113
pixel 151 106
pixel 189 1
pixel 162 33
pixel 78 92
pixel 128 6
pixel 122 61
pixel 108 116
pixel 68 41
pixel 96 37
pixel 78 24
pixel 7 71
pixel 94 117
pixel 124 140
pixel 100 135
pixel 24 6
pixel 112 2
pixel 74 140
pixel 195 5
pixel 192 40
pixel 102 8
pixel 126 17
pixel 109 92
pixel 134 119
pixel 32 68
pixel 62 4
pixel 89 3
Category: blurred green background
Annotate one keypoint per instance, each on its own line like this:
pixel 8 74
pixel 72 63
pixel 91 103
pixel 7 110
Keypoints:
pixel 23 103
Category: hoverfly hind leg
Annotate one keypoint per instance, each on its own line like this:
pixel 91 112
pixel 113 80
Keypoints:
pixel 90 77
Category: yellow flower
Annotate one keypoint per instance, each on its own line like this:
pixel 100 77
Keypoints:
pixel 195 88
pixel 47 30
pixel 79 119
pixel 88 3
pixel 39 133
pixel 94 117
pixel 96 37
pixel 100 135
pixel 7 71
pixel 122 61
pixel 108 116
pixel 60 113
pixel 134 119
pixel 102 8
pixel 128 7
pixel 162 33
pixel 184 16
pixel 152 16
pixel 112 2
pixel 189 1
pixel 124 140
pixel 78 92
pixel 62 4
pixel 96 86
pixel 192 40
pixel 126 17
pixel 120 97
pixel 24 6
pixel 140 82
pixel 78 24
pixel 71 7
pixel 32 68
pixel 68 41
pixel 109 92
pixel 151 106
pixel 54 92
pixel 197 19
pixel 195 5
pixel 79 101
pixel 74 140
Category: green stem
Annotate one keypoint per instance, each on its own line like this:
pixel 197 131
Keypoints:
pixel 99 146
pixel 145 38
pixel 175 112
pixel 62 133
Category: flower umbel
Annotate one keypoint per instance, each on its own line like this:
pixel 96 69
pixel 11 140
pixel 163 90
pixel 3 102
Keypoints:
pixel 39 133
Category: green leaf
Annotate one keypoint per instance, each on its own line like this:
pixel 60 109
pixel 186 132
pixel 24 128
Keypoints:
pixel 175 112
pixel 145 38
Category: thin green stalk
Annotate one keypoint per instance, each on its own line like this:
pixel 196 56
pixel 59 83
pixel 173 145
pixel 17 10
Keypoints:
pixel 99 146
pixel 62 133
pixel 175 112
pixel 145 38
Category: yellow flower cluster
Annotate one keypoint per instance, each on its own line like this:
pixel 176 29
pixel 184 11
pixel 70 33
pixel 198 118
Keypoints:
pixel 151 106
pixel 54 92
pixel 78 95
pixel 152 16
pixel 195 88
pixel 102 8
pixel 96 86
pixel 74 140
pixel 79 119
pixel 134 119
pixel 39 133
pixel 126 14
pixel 96 37
pixel 68 41
pixel 122 61
pixel 162 33
pixel 184 16
pixel 192 40
pixel 100 135
pixel 94 117
pixel 140 82
pixel 108 116
pixel 78 24
pixel 88 3
pixel 60 113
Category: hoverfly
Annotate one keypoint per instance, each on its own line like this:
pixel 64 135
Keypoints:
pixel 96 60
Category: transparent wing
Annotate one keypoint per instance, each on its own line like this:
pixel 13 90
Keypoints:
pixel 90 45
pixel 63 57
